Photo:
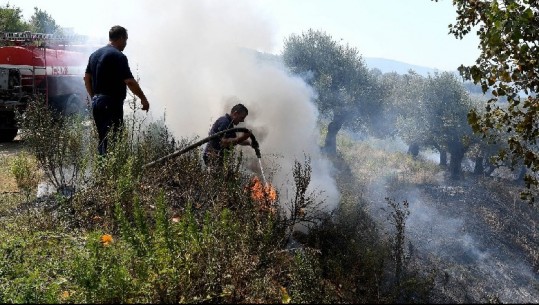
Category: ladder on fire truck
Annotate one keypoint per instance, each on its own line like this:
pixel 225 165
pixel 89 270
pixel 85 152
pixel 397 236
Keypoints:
pixel 38 41
pixel 41 39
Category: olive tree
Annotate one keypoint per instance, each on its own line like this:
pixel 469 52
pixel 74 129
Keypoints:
pixel 432 112
pixel 509 68
pixel 405 95
pixel 449 103
pixel 346 92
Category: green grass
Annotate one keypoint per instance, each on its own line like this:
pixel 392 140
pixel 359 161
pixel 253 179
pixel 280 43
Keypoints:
pixel 8 184
pixel 181 234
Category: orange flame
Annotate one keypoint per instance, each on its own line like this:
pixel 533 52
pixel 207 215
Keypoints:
pixel 262 193
pixel 265 196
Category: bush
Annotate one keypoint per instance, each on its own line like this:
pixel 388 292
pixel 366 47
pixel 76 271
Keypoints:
pixel 174 232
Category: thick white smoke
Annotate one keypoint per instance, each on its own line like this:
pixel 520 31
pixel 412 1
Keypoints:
pixel 192 55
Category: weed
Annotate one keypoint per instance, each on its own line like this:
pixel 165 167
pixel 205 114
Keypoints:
pixel 26 174
pixel 175 232
pixel 397 217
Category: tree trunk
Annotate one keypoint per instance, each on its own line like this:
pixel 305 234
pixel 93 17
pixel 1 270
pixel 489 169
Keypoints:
pixel 330 146
pixel 479 169
pixel 456 152
pixel 413 150
pixel 443 158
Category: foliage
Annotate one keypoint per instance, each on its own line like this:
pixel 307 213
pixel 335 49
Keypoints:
pixel 446 121
pixel 508 67
pixel 26 173
pixel 176 233
pixel 432 112
pixel 345 90
pixel 59 144
pixel 327 65
pixel 408 106
pixel 11 19
pixel 33 266
pixel 398 217
pixel 42 22
pixel 303 212
pixel 352 256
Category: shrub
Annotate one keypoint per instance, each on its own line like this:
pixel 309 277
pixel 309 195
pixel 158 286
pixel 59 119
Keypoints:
pixel 175 232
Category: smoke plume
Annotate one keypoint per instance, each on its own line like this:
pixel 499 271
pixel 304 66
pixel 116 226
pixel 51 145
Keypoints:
pixel 192 56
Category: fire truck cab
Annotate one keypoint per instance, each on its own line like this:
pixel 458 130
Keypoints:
pixel 34 65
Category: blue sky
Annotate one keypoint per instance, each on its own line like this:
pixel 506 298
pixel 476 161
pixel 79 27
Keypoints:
pixel 412 31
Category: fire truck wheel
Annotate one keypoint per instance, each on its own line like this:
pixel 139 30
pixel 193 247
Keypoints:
pixel 8 135
pixel 73 105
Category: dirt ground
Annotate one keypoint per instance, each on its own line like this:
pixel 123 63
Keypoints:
pixel 478 233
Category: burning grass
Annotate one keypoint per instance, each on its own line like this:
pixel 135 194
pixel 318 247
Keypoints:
pixel 263 194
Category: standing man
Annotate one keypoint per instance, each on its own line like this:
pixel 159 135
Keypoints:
pixel 219 147
pixel 107 77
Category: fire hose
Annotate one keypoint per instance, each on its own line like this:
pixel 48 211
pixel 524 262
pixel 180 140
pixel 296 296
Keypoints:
pixel 254 145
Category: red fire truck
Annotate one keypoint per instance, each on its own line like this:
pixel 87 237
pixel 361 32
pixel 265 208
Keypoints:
pixel 35 66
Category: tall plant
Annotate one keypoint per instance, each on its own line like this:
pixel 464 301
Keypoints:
pixel 59 144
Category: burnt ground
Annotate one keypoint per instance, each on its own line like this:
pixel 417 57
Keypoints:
pixel 481 239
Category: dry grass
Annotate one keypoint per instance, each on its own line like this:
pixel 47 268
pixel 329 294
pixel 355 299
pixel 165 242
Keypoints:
pixel 7 180
pixel 369 164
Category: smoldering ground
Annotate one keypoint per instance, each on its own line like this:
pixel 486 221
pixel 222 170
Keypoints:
pixel 476 239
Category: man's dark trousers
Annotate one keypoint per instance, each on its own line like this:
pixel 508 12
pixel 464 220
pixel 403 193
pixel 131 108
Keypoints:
pixel 108 113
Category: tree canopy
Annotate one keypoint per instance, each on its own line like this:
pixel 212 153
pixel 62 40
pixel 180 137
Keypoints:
pixel 42 22
pixel 431 112
pixel 11 20
pixel 508 67
pixel 346 91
